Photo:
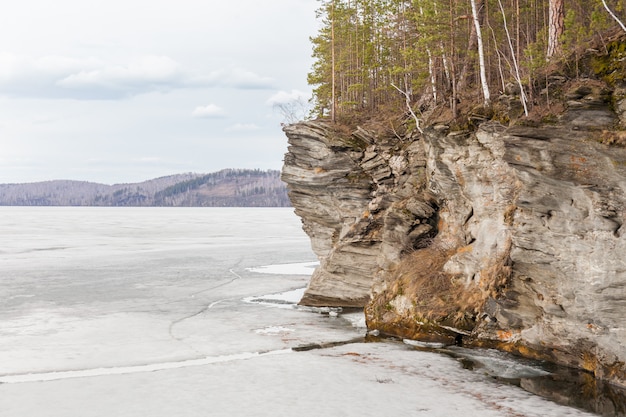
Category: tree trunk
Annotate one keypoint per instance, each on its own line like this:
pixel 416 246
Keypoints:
pixel 471 46
pixel 518 78
pixel 614 16
pixel 454 97
pixel 556 24
pixel 481 55
pixel 433 78
pixel 333 108
pixel 431 68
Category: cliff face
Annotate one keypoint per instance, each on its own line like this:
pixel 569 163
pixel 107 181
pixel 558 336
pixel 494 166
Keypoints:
pixel 361 202
pixel 506 237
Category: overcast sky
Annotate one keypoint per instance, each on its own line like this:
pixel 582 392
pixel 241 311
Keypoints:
pixel 127 90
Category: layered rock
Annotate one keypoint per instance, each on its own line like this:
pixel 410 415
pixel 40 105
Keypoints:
pixel 534 219
pixel 510 237
pixel 360 203
pixel 518 229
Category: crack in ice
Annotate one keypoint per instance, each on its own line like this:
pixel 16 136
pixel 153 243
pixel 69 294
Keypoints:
pixel 202 310
pixel 133 369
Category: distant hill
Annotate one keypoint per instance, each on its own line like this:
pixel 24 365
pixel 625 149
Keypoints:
pixel 226 188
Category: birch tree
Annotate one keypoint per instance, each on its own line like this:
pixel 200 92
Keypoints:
pixel 614 16
pixel 518 78
pixel 333 83
pixel 481 54
pixel 435 51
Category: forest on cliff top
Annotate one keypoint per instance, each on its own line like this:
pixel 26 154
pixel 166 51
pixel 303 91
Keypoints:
pixel 375 56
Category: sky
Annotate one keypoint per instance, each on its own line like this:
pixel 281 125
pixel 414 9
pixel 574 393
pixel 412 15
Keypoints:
pixel 117 91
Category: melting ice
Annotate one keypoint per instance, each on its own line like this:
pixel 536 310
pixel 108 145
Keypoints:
pixel 174 312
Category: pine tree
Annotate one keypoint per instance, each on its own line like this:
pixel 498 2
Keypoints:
pixel 440 51
pixel 556 17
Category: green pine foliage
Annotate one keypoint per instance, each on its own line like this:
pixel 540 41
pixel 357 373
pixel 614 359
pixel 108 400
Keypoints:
pixel 426 48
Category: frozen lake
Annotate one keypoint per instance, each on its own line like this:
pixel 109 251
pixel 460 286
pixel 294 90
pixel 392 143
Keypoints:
pixel 190 312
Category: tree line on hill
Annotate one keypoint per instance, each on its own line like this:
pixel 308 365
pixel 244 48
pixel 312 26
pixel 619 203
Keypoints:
pixel 226 188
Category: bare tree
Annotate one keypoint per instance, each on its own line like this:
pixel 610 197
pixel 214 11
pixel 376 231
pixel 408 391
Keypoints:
pixel 472 44
pixel 613 15
pixel 481 54
pixel 407 98
pixel 518 78
pixel 294 110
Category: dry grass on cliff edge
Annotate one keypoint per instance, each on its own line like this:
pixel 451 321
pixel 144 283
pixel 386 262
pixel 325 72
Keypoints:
pixel 439 297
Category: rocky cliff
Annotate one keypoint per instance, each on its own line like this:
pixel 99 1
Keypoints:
pixel 510 237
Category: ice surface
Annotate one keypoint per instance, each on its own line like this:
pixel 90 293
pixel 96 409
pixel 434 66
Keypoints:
pixel 121 370
pixel 302 268
pixel 500 364
pixel 173 312
pixel 428 345
pixel 378 379
pixel 287 299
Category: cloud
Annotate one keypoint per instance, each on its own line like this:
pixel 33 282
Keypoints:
pixel 94 79
pixel 144 74
pixel 242 127
pixel 16 67
pixel 210 111
pixel 148 160
pixel 284 97
pixel 241 78
pixel 37 77
pixel 86 78
pixel 234 78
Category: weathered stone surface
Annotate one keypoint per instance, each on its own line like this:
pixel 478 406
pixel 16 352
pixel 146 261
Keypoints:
pixel 507 237
pixel 552 201
pixel 589 107
pixel 359 199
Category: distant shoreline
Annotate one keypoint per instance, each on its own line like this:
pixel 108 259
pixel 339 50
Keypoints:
pixel 225 188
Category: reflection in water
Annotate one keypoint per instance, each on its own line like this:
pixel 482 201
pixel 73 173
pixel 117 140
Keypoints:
pixel 566 386
pixel 578 389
